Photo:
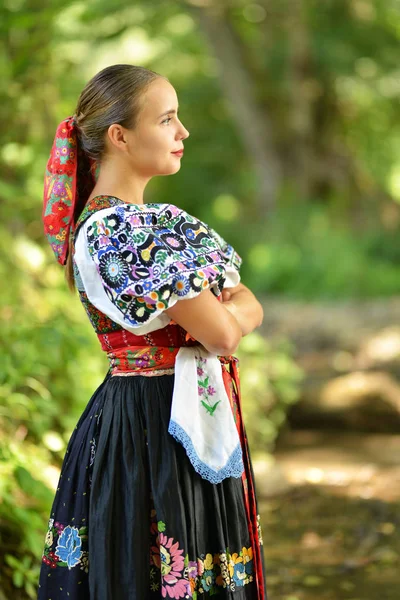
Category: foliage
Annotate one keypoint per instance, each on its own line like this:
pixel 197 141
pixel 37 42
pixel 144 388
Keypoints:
pixel 302 252
pixel 270 382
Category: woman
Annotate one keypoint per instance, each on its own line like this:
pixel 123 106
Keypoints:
pixel 156 495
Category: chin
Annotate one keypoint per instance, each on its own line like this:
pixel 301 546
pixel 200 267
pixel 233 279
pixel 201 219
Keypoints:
pixel 171 170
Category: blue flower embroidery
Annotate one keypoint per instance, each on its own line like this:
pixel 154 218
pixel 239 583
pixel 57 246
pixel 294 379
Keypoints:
pixel 207 580
pixel 239 574
pixel 249 567
pixel 181 286
pixel 68 547
pixel 147 285
pixel 190 234
pixel 190 264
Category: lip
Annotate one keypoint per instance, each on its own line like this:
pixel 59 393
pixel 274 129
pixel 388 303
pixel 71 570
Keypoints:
pixel 178 153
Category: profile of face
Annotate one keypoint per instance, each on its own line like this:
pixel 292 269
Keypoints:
pixel 148 149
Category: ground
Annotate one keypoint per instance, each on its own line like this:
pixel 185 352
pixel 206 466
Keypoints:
pixel 335 534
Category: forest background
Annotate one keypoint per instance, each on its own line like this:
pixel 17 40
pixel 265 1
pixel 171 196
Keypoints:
pixel 293 157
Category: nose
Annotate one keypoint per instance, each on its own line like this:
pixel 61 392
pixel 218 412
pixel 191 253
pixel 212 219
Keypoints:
pixel 184 133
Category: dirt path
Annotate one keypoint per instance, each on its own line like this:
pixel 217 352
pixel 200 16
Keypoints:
pixel 335 535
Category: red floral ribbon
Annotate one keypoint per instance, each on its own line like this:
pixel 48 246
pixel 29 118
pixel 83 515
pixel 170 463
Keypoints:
pixel 69 177
pixel 141 359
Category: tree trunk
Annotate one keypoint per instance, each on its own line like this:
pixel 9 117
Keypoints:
pixel 254 127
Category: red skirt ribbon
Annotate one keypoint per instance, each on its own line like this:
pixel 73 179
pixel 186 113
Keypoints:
pixel 232 386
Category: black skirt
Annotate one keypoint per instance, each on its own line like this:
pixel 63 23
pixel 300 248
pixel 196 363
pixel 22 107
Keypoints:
pixel 131 519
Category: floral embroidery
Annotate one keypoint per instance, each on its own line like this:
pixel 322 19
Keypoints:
pixel 180 577
pixel 85 561
pixel 100 321
pixel 232 258
pixel 95 204
pixel 69 546
pixel 113 269
pixel 58 189
pixel 149 255
pixel 68 551
pixel 171 570
pixel 141 358
pixel 205 391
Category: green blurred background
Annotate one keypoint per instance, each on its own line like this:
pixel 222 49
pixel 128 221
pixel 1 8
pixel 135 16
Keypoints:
pixel 293 157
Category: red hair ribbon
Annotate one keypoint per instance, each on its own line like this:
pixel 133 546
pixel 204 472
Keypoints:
pixel 69 177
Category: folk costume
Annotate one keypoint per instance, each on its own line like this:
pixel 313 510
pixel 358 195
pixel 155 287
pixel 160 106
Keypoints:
pixel 156 496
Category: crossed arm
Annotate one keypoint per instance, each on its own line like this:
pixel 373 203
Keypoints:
pixel 219 326
pixel 244 306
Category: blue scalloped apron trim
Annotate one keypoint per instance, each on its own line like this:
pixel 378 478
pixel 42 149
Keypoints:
pixel 234 467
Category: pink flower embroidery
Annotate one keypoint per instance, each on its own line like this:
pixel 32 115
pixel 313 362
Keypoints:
pixel 168 558
pixel 103 241
pixel 174 210
pixel 200 566
pixel 59 526
pixel 134 220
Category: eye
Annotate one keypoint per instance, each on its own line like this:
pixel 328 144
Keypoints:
pixel 167 119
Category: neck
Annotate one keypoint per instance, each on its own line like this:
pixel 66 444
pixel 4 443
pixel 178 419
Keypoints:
pixel 116 179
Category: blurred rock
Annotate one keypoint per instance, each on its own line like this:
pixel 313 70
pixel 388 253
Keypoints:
pixel 350 353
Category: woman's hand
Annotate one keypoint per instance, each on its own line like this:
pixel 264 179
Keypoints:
pixel 206 320
pixel 244 306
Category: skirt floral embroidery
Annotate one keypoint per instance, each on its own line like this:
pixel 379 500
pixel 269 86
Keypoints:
pixel 179 577
pixel 131 519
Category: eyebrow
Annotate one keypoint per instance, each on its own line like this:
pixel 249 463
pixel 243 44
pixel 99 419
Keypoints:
pixel 168 112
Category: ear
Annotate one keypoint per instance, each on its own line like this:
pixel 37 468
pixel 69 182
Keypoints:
pixel 116 136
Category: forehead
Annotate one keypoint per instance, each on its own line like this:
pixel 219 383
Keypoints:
pixel 159 97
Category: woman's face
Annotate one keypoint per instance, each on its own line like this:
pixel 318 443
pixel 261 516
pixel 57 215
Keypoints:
pixel 159 133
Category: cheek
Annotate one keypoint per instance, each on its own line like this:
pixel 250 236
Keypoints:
pixel 155 149
pixel 159 143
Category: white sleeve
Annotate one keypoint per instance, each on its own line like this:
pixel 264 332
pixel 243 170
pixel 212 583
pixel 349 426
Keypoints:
pixel 134 273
